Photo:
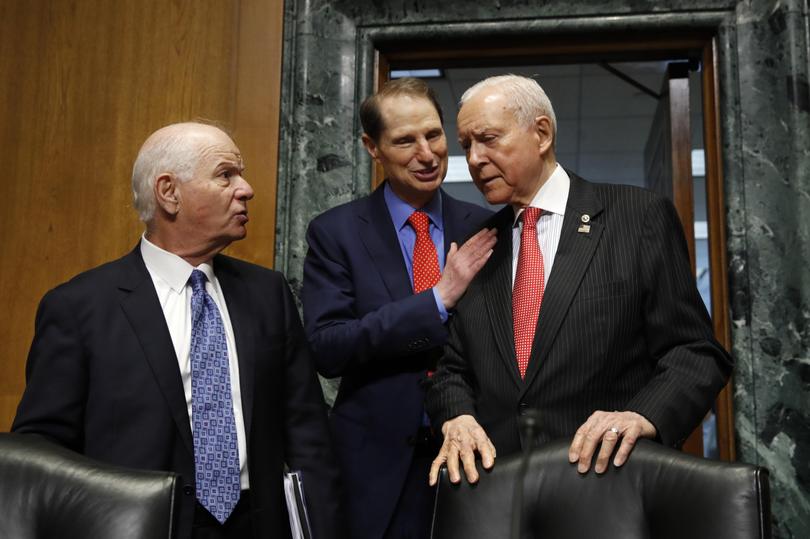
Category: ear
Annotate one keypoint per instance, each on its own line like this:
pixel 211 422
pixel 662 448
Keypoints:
pixel 545 133
pixel 371 147
pixel 167 195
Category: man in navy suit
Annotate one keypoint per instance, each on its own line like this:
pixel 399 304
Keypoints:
pixel 587 312
pixel 375 308
pixel 119 367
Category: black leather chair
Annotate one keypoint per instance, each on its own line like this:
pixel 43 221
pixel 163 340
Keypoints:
pixel 47 491
pixel 660 493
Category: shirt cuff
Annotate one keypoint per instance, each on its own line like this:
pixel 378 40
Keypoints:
pixel 440 305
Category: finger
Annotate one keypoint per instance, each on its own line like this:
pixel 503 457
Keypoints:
pixel 468 460
pixel 579 440
pixel 629 440
pixel 609 439
pixel 592 438
pixel 485 448
pixel 452 464
pixel 487 452
pixel 436 466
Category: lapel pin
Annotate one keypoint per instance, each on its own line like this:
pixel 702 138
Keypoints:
pixel 584 228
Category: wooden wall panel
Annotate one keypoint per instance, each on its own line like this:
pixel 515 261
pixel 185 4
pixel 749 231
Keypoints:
pixel 82 84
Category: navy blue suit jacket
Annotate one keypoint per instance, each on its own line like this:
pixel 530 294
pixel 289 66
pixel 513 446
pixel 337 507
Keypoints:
pixel 367 326
pixel 103 380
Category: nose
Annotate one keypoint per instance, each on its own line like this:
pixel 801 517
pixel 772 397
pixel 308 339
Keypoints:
pixel 244 191
pixel 424 153
pixel 475 155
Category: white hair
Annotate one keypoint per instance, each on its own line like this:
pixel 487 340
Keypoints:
pixel 172 149
pixel 524 95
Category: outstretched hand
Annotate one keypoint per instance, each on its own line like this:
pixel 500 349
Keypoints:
pixel 463 263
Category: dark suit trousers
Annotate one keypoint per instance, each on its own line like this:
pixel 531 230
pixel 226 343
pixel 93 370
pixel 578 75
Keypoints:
pixel 413 514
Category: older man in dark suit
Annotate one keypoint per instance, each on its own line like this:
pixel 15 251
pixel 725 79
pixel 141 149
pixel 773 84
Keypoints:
pixel 587 310
pixel 178 358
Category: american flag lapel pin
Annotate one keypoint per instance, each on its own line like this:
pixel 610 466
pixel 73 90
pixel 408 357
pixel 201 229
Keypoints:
pixel 584 227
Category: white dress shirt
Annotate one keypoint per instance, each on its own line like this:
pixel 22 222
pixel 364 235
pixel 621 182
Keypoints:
pixel 170 275
pixel 551 198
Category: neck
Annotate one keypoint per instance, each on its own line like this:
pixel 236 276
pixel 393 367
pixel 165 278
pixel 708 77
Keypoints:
pixel 415 199
pixel 194 254
pixel 522 200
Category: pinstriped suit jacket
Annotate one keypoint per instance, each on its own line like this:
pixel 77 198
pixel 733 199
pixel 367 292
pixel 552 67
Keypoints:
pixel 621 327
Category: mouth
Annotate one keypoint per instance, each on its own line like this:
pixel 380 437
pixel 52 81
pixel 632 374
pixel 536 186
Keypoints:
pixel 427 174
pixel 242 217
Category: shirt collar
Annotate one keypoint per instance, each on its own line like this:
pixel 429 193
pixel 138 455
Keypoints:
pixel 552 196
pixel 169 267
pixel 401 210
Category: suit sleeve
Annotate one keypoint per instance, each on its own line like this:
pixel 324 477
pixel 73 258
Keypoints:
pixel 690 365
pixel 452 388
pixel 55 395
pixel 342 335
pixel 308 446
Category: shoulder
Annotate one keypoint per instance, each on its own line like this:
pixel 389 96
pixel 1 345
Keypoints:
pixel 342 213
pixel 618 199
pixel 98 284
pixel 470 217
pixel 247 271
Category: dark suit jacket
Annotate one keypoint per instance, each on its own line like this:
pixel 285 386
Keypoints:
pixel 365 324
pixel 103 379
pixel 621 327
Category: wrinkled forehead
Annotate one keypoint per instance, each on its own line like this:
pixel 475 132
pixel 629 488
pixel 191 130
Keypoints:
pixel 485 109
pixel 215 146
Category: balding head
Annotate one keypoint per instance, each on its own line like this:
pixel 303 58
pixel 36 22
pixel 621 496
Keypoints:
pixel 174 149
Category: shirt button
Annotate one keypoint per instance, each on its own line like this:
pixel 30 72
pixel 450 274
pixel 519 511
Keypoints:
pixel 187 490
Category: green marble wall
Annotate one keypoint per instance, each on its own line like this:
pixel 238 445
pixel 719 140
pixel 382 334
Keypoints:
pixel 765 121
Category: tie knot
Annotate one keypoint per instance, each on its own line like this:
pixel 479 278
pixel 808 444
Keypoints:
pixel 420 222
pixel 530 217
pixel 197 281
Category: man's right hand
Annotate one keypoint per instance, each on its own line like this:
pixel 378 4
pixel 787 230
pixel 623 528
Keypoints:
pixel 463 436
pixel 462 265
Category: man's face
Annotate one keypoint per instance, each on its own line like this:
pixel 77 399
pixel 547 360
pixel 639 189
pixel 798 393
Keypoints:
pixel 213 203
pixel 505 158
pixel 412 148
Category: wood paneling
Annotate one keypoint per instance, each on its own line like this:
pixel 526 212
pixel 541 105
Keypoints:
pixel 84 82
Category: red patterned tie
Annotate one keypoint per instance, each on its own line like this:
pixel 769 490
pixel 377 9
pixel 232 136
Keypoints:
pixel 426 271
pixel 527 293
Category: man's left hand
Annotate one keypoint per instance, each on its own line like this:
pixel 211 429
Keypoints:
pixel 608 428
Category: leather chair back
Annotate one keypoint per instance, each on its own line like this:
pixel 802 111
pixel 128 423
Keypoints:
pixel 47 491
pixel 660 493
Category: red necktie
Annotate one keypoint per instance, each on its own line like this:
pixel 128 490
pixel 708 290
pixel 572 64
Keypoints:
pixel 426 271
pixel 527 293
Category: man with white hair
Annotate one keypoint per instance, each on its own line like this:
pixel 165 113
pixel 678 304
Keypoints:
pixel 178 358
pixel 586 312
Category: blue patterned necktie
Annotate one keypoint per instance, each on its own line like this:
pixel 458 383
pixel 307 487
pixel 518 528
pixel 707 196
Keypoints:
pixel 216 453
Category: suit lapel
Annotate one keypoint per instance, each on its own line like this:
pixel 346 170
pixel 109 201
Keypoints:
pixel 573 256
pixel 381 242
pixel 237 298
pixel 145 315
pixel 497 280
pixel 454 217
